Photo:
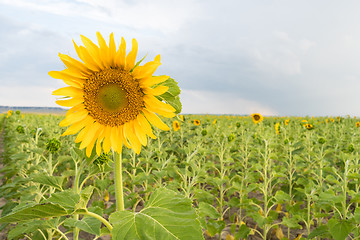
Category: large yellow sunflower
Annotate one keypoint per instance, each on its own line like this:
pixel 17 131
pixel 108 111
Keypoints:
pixel 112 99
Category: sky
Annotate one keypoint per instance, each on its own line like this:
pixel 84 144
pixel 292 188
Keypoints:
pixel 274 57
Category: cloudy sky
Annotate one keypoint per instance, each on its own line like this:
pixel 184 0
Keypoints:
pixel 276 57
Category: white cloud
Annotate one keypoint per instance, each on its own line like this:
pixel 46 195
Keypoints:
pixel 212 102
pixel 161 15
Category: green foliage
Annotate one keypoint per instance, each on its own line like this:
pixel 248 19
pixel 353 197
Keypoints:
pixel 167 215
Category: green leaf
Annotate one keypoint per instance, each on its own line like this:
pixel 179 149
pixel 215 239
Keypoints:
pixel 87 224
pixel 291 222
pixel 243 232
pixel 29 227
pixel 215 226
pixel 319 231
pixel 167 215
pixel 67 199
pixel 339 229
pixel 53 181
pixel 282 197
pixel 208 210
pixel 38 211
pixel 85 197
pixel 172 95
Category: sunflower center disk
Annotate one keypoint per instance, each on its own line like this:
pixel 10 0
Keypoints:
pixel 112 97
pixel 256 117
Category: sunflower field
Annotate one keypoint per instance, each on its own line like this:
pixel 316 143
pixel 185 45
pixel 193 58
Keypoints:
pixel 209 177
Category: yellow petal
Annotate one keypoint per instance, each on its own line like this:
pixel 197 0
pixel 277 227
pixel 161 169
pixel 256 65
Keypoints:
pixel 98 146
pixel 82 133
pixel 154 102
pixel 89 60
pixel 69 102
pixel 74 64
pixel 122 135
pixel 140 133
pixel 93 50
pixel 156 91
pixel 112 50
pixel 107 141
pixel 150 81
pixel 155 120
pixel 147 70
pixel 104 50
pixel 75 109
pixel 90 135
pixel 67 78
pixel 131 57
pixel 145 125
pixel 76 127
pixel 68 91
pixel 90 148
pixel 121 55
pixel 74 117
pixel 130 135
pixel 116 142
pixel 157 58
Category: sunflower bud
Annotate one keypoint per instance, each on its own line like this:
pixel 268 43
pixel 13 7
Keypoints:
pixel 102 159
pixel 321 140
pixel 20 129
pixel 53 145
pixel 231 137
pixel 204 132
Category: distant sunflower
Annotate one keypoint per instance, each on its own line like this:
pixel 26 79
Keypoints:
pixel 287 122
pixel 176 126
pixel 197 122
pixel 309 126
pixel 257 117
pixel 112 100
pixel 357 124
pixel 277 128
pixel 214 122
pixel 10 112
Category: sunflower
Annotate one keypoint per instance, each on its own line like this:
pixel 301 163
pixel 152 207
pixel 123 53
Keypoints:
pixel 287 122
pixel 197 122
pixel 357 124
pixel 10 112
pixel 257 117
pixel 277 128
pixel 309 126
pixel 113 100
pixel 176 126
pixel 214 122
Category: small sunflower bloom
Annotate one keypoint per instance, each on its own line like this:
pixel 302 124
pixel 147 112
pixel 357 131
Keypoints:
pixel 214 122
pixel 309 126
pixel 277 128
pixel 357 124
pixel 287 122
pixel 197 122
pixel 257 118
pixel 113 101
pixel 176 126
pixel 10 112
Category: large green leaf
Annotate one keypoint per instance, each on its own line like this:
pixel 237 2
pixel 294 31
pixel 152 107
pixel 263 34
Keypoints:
pixel 339 229
pixel 38 211
pixel 29 227
pixel 67 199
pixel 53 181
pixel 167 215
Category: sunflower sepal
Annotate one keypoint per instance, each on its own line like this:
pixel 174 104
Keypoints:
pixel 172 95
pixel 138 63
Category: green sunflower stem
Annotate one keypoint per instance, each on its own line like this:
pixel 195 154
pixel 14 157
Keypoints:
pixel 119 191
